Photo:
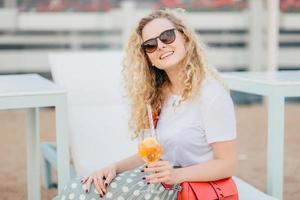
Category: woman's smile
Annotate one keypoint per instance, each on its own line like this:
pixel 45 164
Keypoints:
pixel 166 55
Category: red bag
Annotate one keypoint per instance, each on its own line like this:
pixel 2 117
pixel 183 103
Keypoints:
pixel 224 189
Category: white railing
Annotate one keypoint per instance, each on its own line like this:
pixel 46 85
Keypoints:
pixel 83 28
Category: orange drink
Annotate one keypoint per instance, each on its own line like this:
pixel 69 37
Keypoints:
pixel 150 150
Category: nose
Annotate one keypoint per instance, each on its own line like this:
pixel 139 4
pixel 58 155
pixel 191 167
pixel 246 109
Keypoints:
pixel 160 44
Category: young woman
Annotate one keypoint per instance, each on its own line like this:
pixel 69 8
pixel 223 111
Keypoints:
pixel 165 67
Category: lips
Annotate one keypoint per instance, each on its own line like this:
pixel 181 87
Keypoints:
pixel 167 54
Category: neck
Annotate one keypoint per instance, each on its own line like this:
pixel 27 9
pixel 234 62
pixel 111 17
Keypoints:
pixel 175 77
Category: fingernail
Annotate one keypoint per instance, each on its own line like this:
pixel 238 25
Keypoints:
pixel 104 178
pixel 148 183
pixel 100 195
pixel 146 166
pixel 86 191
pixel 104 193
pixel 142 170
pixel 144 178
pixel 106 184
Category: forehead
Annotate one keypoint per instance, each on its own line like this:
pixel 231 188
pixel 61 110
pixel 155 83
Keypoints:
pixel 155 27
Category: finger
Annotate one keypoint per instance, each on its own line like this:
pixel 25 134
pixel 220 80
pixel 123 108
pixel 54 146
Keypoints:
pixel 155 179
pixel 162 168
pixel 156 164
pixel 109 178
pixel 160 164
pixel 155 176
pixel 156 169
pixel 101 184
pixel 83 180
pixel 88 184
pixel 97 186
pixel 160 180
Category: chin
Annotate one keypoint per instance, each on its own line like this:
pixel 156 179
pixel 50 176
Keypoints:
pixel 168 65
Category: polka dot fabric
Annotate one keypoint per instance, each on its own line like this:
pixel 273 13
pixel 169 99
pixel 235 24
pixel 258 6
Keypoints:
pixel 125 186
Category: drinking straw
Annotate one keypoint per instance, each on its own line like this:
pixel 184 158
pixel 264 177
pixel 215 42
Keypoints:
pixel 149 109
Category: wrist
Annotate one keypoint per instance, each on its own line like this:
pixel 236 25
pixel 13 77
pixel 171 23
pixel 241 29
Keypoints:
pixel 178 175
pixel 115 166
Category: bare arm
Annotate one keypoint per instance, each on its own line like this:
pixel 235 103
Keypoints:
pixel 222 166
pixel 128 163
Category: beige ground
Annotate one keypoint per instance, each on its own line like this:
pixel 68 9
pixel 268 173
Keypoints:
pixel 252 128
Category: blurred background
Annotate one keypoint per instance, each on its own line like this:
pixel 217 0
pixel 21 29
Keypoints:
pixel 234 30
pixel 236 35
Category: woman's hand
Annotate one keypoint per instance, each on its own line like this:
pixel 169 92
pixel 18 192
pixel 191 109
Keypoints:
pixel 161 171
pixel 101 179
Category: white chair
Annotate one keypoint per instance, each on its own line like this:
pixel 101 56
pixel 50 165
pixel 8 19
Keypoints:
pixel 98 114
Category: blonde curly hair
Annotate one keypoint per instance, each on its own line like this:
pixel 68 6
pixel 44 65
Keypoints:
pixel 146 84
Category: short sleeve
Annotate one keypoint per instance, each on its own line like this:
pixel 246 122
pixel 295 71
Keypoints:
pixel 219 119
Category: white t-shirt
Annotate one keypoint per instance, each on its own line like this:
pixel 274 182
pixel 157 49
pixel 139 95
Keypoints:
pixel 186 131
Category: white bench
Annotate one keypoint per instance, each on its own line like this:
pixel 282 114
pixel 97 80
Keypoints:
pixel 98 113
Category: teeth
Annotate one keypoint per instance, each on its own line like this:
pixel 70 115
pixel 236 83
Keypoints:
pixel 166 54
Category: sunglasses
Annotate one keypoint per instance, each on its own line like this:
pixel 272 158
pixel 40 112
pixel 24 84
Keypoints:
pixel 166 37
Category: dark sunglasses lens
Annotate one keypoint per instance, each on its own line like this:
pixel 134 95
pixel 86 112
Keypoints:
pixel 168 36
pixel 150 45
